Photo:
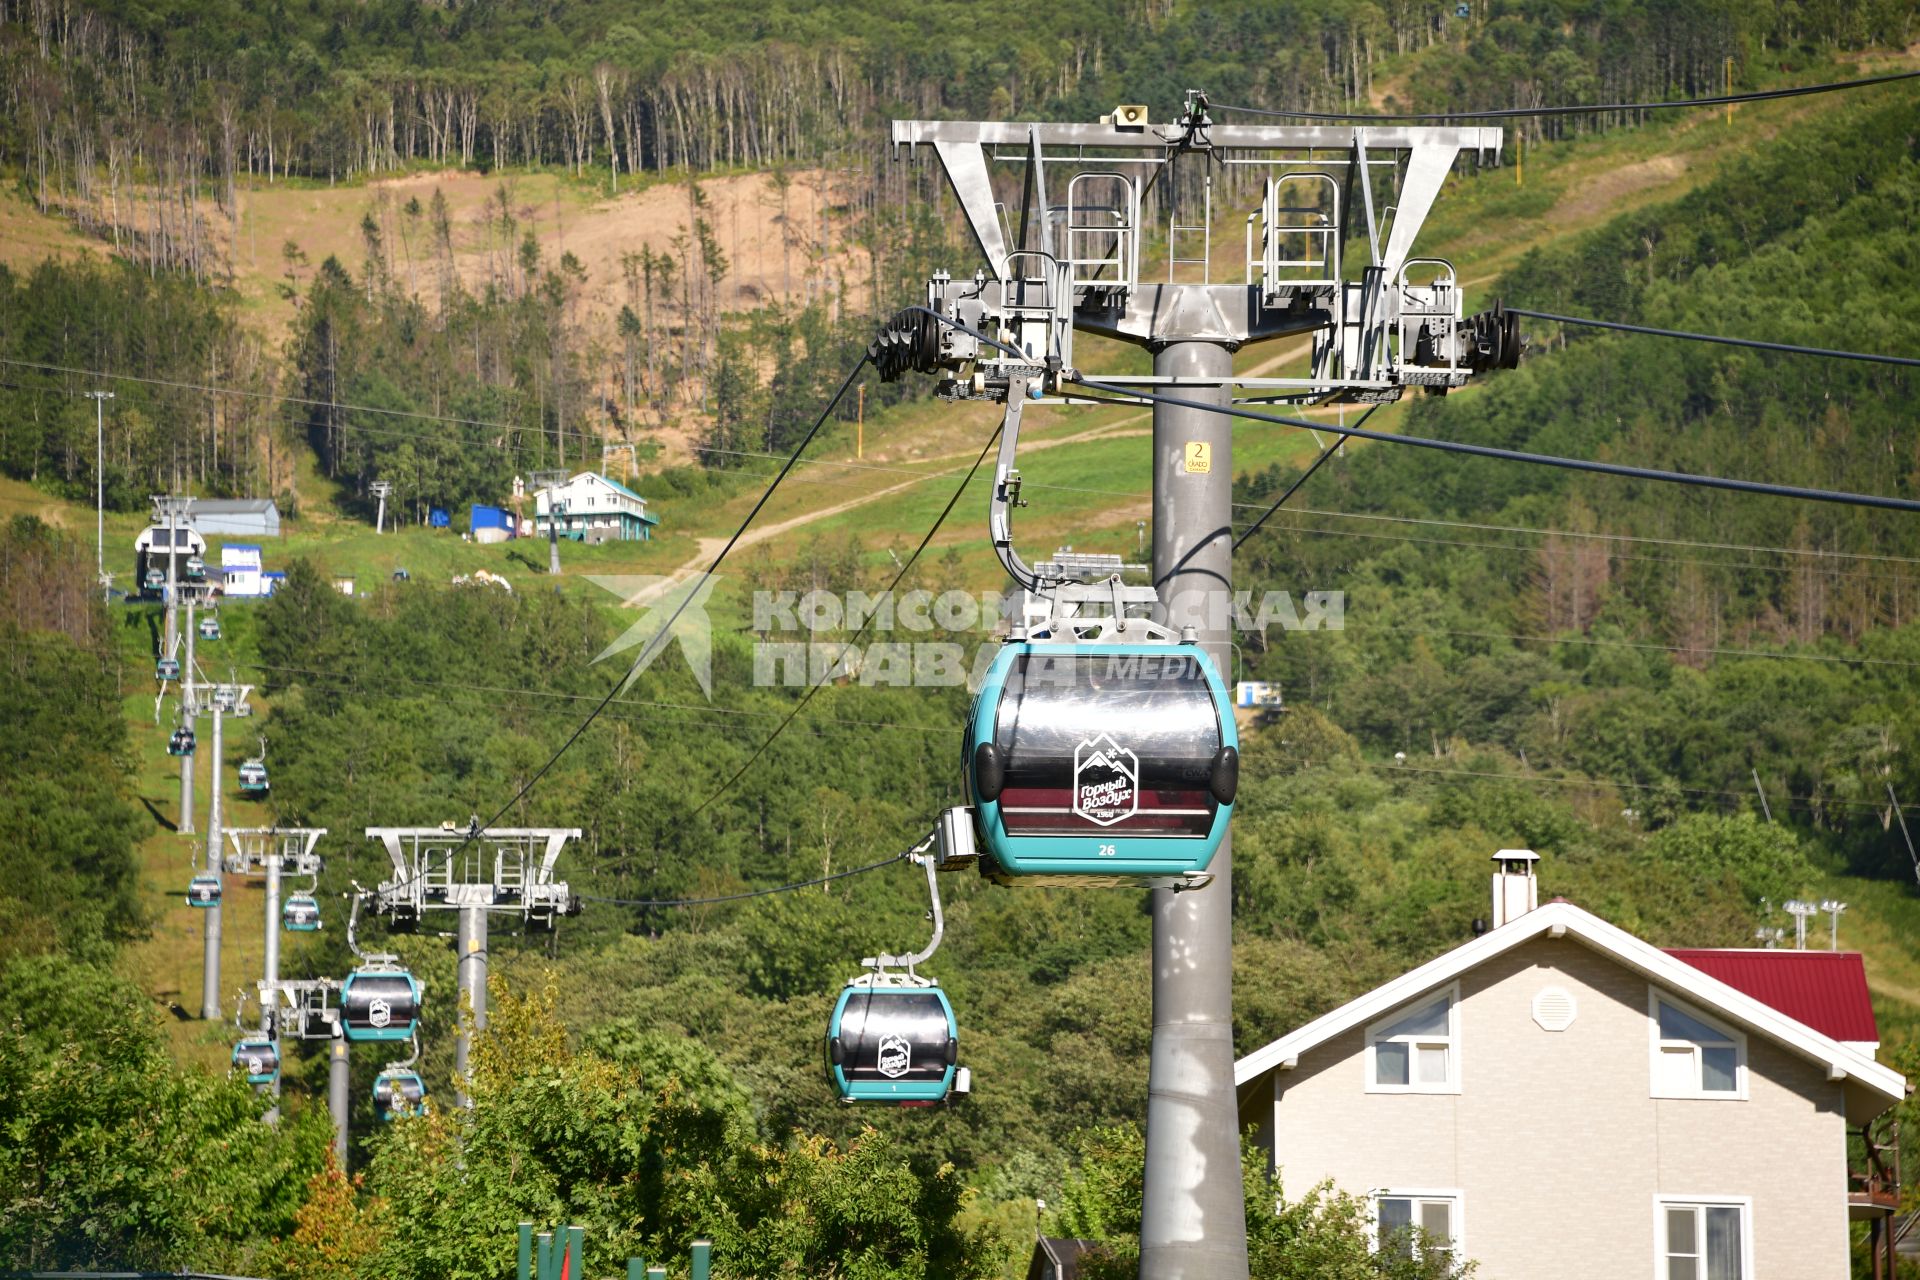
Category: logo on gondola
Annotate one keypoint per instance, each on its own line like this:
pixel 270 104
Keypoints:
pixel 379 1013
pixel 896 1057
pixel 256 1065
pixel 1106 781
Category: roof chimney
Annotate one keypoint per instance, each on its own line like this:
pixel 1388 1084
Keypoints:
pixel 1516 891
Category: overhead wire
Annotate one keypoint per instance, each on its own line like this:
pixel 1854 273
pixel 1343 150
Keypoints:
pixel 666 903
pixel 1830 353
pixel 814 687
pixel 1294 488
pixel 666 630
pixel 1599 108
pixel 1520 455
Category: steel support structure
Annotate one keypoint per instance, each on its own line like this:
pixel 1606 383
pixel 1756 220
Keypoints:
pixel 188 712
pixel 1193 1221
pixel 470 969
pixel 338 1086
pixel 477 873
pixel 210 967
pixel 1060 238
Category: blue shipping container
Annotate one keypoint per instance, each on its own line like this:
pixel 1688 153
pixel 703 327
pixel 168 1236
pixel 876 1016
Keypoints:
pixel 488 518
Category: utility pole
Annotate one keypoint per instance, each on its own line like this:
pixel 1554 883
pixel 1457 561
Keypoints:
pixel 100 399
pixel 555 509
pixel 1833 910
pixel 1072 263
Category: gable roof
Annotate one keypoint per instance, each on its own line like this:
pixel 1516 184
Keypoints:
pixel 1058 1257
pixel 232 506
pixel 1826 990
pixel 1561 919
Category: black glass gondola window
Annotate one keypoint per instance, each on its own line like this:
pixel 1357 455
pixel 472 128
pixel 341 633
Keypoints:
pixel 379 1002
pixel 1116 743
pixel 890 1037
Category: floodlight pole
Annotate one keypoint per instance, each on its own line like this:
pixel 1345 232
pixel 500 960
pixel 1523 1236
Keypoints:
pixel 210 969
pixel 470 970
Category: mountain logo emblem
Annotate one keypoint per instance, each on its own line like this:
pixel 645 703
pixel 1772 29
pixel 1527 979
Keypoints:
pixel 1106 781
pixel 379 1013
pixel 896 1057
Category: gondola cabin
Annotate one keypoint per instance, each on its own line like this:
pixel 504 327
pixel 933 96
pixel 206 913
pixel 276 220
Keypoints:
pixel 300 913
pixel 398 1091
pixel 196 569
pixel 253 779
pixel 890 1043
pixel 259 1058
pixel 204 890
pixel 181 743
pixel 379 1004
pixel 166 669
pixel 156 544
pixel 1101 763
pixel 209 628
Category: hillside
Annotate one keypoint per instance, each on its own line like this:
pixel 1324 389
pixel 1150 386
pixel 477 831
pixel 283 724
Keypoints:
pixel 1598 670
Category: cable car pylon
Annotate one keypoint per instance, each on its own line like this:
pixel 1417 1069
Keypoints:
pixel 1094 775
pixel 893 1036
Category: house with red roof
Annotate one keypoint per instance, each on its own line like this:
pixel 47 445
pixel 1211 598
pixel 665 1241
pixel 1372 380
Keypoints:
pixel 1558 1097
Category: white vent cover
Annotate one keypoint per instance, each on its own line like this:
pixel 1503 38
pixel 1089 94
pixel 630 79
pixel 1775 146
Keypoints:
pixel 1553 1008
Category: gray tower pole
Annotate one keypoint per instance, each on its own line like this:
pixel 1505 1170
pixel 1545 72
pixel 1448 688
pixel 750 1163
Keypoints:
pixel 337 1085
pixel 186 706
pixel 471 974
pixel 1193 1225
pixel 210 970
pixel 272 966
pixel 173 597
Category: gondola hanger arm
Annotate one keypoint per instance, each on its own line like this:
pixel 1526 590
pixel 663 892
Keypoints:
pixel 907 962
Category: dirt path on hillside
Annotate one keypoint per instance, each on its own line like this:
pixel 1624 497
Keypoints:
pixel 709 547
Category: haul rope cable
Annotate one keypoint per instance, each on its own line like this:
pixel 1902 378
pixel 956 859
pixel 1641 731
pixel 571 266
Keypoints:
pixel 1511 113
pixel 1788 347
pixel 660 637
pixel 1295 486
pixel 664 903
pixel 813 688
pixel 1841 497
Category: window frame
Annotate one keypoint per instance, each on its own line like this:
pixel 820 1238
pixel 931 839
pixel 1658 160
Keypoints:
pixel 1656 1086
pixel 1451 992
pixel 1663 1201
pixel 1456 1216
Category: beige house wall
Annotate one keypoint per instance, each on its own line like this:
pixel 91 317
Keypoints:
pixel 1554 1141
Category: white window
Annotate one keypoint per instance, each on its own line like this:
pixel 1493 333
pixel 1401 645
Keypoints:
pixel 1702 1238
pixel 1693 1055
pixel 1416 1049
pixel 1423 1223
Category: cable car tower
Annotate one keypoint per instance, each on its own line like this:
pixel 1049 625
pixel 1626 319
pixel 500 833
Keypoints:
pixel 223 700
pixel 1051 763
pixel 476 872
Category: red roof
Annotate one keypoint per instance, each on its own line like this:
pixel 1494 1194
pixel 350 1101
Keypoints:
pixel 1825 990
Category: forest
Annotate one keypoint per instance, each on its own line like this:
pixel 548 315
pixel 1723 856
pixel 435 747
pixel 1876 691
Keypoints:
pixel 1694 706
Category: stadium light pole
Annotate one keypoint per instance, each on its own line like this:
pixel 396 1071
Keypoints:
pixel 100 399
